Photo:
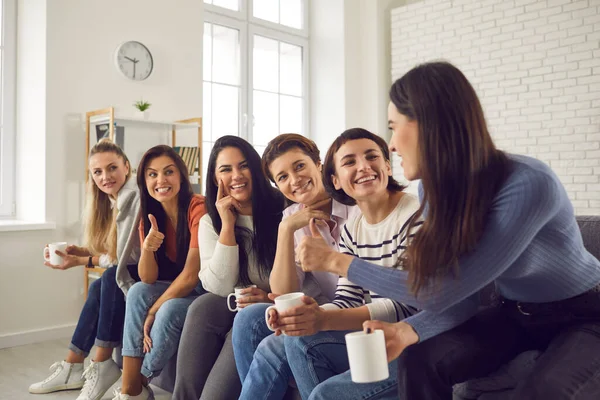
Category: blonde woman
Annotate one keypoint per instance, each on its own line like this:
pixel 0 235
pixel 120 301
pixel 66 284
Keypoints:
pixel 112 208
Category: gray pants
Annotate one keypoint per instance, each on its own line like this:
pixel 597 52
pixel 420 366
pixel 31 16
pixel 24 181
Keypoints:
pixel 205 363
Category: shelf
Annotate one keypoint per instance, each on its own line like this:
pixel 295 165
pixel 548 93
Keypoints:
pixel 105 119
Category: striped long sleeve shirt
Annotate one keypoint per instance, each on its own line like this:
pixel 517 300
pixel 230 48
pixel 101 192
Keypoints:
pixel 381 243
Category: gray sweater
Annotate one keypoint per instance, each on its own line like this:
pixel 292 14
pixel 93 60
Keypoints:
pixel 128 238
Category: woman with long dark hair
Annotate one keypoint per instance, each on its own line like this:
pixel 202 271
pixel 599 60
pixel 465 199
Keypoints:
pixel 238 238
pixel 488 217
pixel 293 163
pixel 168 269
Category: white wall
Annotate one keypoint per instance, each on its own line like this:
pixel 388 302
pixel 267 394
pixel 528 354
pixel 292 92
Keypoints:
pixel 536 67
pixel 66 68
pixel 350 64
pixel 327 86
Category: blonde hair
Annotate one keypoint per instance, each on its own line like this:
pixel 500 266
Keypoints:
pixel 100 233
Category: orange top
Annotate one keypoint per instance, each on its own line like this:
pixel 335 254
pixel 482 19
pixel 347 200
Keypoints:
pixel 196 210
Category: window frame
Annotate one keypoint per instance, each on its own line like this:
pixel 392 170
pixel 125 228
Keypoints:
pixel 286 38
pixel 248 26
pixel 8 110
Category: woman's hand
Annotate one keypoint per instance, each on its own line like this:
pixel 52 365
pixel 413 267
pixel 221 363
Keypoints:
pixel 302 320
pixel 302 218
pixel 77 251
pixel 68 260
pixel 315 254
pixel 254 295
pixel 272 320
pixel 227 206
pixel 398 336
pixel 154 238
pixel 147 328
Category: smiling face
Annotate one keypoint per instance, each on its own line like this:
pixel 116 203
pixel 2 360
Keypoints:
pixel 163 179
pixel 361 170
pixel 232 168
pixel 298 177
pixel 404 141
pixel 109 172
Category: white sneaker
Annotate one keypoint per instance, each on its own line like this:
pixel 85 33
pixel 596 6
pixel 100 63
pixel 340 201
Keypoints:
pixel 99 377
pixel 64 376
pixel 147 394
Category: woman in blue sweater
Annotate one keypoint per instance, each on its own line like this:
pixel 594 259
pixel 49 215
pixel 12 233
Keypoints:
pixel 488 217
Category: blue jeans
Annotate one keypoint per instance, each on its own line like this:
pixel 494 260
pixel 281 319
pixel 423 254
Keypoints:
pixel 102 317
pixel 166 330
pixel 320 366
pixel 259 355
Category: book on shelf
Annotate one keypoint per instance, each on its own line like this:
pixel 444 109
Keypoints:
pixel 189 155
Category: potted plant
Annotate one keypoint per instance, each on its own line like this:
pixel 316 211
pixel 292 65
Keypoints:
pixel 142 107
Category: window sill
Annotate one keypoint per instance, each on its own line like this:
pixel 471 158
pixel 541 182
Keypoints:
pixel 11 225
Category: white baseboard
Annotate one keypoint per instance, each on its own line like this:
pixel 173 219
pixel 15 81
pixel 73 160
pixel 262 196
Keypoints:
pixel 36 335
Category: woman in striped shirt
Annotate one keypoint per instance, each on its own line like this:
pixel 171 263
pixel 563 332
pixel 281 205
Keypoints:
pixel 356 171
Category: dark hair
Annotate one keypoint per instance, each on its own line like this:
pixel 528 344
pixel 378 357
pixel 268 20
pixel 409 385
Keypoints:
pixel 329 165
pixel 149 205
pixel 460 168
pixel 267 208
pixel 284 143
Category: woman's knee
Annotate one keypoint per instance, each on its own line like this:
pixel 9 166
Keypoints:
pixel 326 390
pixel 138 290
pixel 296 346
pixel 246 317
pixel 546 385
pixel 418 360
pixel 109 276
pixel 140 296
pixel 271 348
pixel 172 313
pixel 204 307
pixel 94 291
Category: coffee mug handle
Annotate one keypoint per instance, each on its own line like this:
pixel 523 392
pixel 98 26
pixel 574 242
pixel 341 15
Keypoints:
pixel 267 317
pixel 229 303
pixel 44 253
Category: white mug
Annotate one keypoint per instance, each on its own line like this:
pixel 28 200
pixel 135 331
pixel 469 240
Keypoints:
pixel 237 294
pixel 367 356
pixel 283 303
pixel 54 258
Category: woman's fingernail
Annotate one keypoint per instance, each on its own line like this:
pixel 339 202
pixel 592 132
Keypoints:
pixel 368 330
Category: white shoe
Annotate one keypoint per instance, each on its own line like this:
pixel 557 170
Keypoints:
pixel 147 394
pixel 99 377
pixel 64 376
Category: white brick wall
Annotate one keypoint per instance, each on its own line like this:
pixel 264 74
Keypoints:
pixel 536 67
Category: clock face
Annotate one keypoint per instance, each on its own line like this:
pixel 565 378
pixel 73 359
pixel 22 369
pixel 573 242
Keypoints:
pixel 134 60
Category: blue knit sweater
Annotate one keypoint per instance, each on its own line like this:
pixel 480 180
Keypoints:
pixel 531 249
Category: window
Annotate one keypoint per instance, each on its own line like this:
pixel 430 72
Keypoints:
pixel 7 107
pixel 255 70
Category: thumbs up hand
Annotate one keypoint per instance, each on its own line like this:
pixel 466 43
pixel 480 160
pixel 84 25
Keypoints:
pixel 154 238
pixel 313 251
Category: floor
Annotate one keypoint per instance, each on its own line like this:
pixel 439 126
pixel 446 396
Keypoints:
pixel 24 365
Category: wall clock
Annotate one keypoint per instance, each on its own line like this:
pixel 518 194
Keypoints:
pixel 134 60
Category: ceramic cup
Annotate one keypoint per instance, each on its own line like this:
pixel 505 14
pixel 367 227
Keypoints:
pixel 54 258
pixel 237 294
pixel 367 356
pixel 283 303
